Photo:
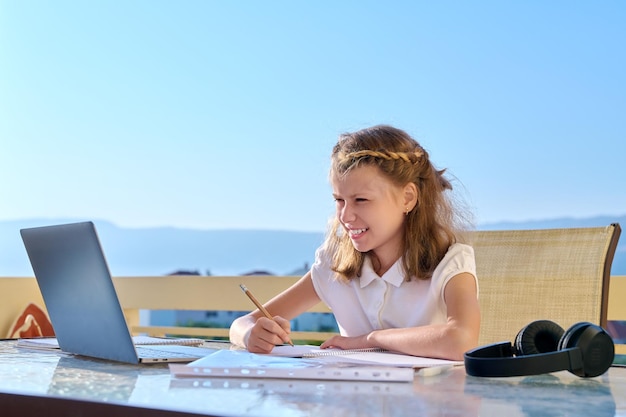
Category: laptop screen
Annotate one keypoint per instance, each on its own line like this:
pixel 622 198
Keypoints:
pixel 77 288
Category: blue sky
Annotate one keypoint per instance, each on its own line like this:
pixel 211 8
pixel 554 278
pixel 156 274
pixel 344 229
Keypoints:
pixel 215 115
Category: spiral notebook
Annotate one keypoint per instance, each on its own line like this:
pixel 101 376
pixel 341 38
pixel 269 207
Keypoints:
pixel 373 356
pixel 311 362
pixel 243 364
pixel 282 386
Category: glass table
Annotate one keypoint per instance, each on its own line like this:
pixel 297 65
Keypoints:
pixel 36 380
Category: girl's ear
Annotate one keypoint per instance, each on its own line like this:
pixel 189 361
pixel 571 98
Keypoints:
pixel 410 196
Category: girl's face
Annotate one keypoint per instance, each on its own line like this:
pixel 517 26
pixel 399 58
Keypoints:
pixel 372 211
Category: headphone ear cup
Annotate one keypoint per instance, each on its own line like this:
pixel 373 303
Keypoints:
pixel 570 337
pixel 539 336
pixel 596 346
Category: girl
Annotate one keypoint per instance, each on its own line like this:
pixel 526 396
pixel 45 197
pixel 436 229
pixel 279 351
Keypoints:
pixel 392 268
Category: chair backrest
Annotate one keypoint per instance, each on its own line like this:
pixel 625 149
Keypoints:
pixel 555 274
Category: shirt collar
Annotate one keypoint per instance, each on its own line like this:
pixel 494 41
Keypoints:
pixel 393 276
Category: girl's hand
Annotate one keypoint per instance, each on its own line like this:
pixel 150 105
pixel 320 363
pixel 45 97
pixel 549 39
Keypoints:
pixel 342 342
pixel 266 333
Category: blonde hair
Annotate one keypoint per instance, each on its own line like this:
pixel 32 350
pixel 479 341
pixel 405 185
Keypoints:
pixel 429 229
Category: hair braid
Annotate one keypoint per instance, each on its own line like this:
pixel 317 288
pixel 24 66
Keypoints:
pixel 411 158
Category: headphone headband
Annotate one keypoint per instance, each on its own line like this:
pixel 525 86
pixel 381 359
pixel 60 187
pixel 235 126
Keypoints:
pixel 542 347
pixel 497 360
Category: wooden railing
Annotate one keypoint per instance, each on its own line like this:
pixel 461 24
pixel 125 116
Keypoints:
pixel 215 293
pixel 201 293
pixel 208 293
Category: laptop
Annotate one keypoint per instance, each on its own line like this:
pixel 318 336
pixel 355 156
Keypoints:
pixel 77 288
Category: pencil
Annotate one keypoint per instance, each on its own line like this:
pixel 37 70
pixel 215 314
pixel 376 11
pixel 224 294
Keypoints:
pixel 259 306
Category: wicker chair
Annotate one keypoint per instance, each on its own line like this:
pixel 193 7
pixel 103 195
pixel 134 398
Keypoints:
pixel 555 274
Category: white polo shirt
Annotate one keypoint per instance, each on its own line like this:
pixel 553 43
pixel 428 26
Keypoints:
pixel 371 302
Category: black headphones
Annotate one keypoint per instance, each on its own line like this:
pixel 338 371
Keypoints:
pixel 586 350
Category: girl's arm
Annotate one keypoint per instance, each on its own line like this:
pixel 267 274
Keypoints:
pixel 446 341
pixel 259 334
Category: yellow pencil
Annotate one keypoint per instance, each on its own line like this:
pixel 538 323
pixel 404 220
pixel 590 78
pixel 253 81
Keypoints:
pixel 259 306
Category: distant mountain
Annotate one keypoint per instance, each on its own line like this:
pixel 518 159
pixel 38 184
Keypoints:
pixel 556 223
pixel 160 251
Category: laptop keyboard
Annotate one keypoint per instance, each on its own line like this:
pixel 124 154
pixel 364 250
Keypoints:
pixel 144 352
